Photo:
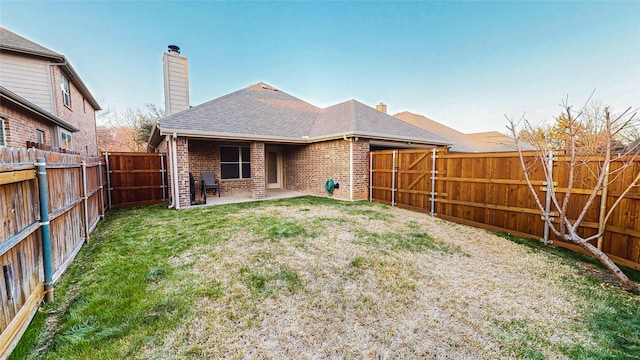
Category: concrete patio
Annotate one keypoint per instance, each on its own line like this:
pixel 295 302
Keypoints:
pixel 246 197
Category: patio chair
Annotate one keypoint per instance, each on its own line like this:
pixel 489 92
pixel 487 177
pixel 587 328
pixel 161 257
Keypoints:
pixel 209 181
pixel 192 188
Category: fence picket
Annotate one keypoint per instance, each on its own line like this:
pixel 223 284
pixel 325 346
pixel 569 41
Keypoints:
pixel 489 190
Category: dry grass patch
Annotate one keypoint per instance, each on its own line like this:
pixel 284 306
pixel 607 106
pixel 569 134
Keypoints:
pixel 314 278
pixel 325 282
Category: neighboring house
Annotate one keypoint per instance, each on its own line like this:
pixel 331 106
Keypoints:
pixel 260 138
pixel 492 141
pixel 43 103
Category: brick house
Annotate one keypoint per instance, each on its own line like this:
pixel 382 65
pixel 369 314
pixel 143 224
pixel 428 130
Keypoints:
pixel 260 138
pixel 43 101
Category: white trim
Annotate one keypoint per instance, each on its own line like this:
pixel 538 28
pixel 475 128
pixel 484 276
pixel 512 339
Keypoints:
pixel 303 140
pixel 65 91
pixel 3 135
pixel 240 162
pixel 61 142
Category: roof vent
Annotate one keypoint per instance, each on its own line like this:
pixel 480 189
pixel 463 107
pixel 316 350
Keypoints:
pixel 174 49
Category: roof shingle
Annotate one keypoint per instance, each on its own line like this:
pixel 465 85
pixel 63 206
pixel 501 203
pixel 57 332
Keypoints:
pixel 12 41
pixel 260 110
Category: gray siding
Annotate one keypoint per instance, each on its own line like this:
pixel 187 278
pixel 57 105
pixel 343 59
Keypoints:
pixel 27 77
pixel 176 83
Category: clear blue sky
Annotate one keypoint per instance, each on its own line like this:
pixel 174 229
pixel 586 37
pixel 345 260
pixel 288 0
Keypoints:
pixel 465 64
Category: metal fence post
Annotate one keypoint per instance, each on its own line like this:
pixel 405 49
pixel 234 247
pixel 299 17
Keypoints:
pixel 548 190
pixel 85 199
pixel 101 190
pixel 393 179
pixel 433 182
pixel 370 176
pixel 41 166
pixel 106 157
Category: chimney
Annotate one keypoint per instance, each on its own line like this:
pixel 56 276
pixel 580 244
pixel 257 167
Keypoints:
pixel 176 81
pixel 381 107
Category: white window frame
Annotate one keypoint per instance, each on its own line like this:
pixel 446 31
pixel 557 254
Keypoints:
pixel 240 162
pixel 66 91
pixel 63 142
pixel 3 135
pixel 40 136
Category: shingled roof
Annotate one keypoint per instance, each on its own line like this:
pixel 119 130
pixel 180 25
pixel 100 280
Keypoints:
pixel 491 141
pixel 262 112
pixel 460 141
pixel 15 42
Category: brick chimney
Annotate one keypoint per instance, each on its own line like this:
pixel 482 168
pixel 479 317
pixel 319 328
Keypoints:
pixel 381 107
pixel 176 81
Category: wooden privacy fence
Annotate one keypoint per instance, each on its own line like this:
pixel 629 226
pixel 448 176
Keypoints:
pixel 489 190
pixel 136 178
pixel 76 202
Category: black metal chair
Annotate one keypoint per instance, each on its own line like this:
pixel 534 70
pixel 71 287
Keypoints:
pixel 192 188
pixel 209 181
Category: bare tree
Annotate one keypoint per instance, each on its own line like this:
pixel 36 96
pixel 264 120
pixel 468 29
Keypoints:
pixel 128 130
pixel 589 137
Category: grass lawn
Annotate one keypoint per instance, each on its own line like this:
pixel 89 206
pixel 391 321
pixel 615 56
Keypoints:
pixel 318 278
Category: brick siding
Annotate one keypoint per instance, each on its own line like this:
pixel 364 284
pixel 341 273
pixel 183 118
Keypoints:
pixel 81 115
pixel 258 171
pixel 182 149
pixel 20 127
pixel 307 168
pixel 205 156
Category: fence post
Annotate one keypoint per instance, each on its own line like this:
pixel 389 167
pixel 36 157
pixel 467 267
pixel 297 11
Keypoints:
pixel 548 190
pixel 393 178
pixel 433 182
pixel 101 190
pixel 106 157
pixel 603 206
pixel 85 201
pixel 370 176
pixel 41 166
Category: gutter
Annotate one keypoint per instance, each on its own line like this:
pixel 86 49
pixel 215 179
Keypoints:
pixel 301 140
pixel 75 78
pixel 35 109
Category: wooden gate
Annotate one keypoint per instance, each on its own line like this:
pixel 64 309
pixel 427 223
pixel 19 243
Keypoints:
pixel 136 178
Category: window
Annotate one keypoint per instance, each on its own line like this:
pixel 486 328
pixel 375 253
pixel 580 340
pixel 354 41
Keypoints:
pixel 40 137
pixel 65 140
pixel 3 136
pixel 235 162
pixel 66 97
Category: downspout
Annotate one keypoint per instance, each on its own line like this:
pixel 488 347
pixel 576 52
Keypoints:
pixel 170 171
pixel 175 169
pixel 41 172
pixel 176 191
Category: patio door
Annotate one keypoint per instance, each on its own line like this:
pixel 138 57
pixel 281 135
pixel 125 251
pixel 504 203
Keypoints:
pixel 273 161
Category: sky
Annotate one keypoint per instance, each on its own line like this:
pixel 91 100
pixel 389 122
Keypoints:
pixel 464 64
